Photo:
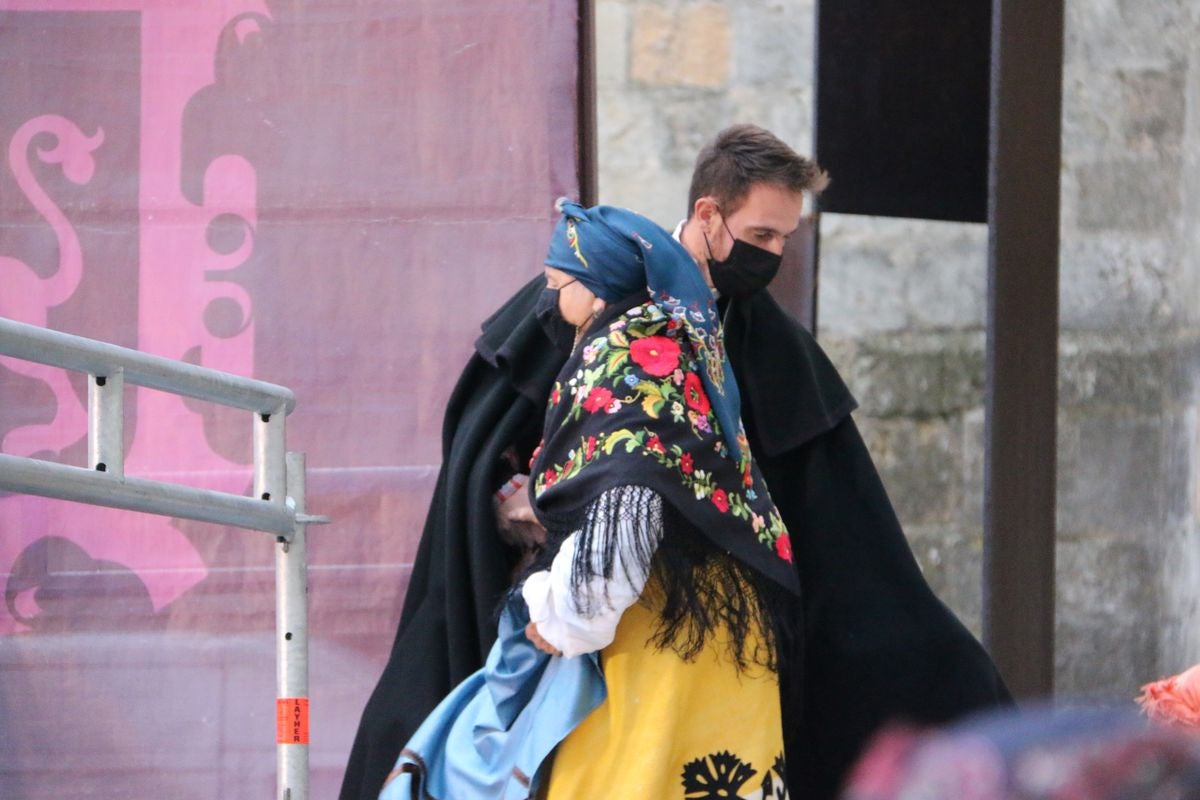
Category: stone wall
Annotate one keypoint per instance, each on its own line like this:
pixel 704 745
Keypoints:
pixel 671 74
pixel 902 302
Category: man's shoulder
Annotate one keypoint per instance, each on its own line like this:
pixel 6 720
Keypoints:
pixel 789 385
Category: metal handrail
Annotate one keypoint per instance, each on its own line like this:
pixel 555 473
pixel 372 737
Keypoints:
pixel 58 349
pixel 277 507
pixel 64 482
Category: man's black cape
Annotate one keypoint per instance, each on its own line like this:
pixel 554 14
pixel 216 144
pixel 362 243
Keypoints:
pixel 878 644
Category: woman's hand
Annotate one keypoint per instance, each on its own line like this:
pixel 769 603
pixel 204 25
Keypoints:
pixel 517 523
pixel 531 632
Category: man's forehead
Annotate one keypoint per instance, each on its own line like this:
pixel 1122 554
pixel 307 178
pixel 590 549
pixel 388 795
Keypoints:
pixel 782 224
pixel 771 207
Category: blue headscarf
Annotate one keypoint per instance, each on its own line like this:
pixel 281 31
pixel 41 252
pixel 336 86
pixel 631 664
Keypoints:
pixel 614 253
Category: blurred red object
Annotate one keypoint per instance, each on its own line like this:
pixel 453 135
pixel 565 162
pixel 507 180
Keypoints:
pixel 1174 700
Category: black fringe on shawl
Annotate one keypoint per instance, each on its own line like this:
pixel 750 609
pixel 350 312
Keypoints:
pixel 697 590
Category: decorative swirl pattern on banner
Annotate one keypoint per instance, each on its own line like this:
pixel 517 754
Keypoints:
pixel 28 295
pixel 190 307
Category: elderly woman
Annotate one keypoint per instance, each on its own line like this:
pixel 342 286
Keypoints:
pixel 643 648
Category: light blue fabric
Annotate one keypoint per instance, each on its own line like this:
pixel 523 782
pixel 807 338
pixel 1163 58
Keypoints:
pixel 499 725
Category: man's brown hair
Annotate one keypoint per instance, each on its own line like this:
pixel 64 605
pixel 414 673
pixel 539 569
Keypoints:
pixel 743 155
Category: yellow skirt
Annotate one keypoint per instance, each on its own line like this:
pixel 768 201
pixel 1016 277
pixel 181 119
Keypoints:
pixel 672 728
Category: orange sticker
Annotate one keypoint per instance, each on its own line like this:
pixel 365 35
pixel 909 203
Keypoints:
pixel 291 720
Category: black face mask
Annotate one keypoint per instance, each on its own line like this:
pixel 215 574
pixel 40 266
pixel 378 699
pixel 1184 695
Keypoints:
pixel 560 332
pixel 746 269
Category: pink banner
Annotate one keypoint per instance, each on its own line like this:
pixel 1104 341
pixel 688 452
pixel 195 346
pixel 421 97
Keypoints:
pixel 327 196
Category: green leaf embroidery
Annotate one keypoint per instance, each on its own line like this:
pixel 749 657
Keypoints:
pixel 615 438
pixel 616 359
pixel 652 399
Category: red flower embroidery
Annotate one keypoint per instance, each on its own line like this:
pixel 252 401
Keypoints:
pixel 655 444
pixel 685 463
pixel 747 478
pixel 591 448
pixel 720 500
pixel 658 355
pixel 783 547
pixel 554 396
pixel 693 393
pixel 597 400
pixel 550 477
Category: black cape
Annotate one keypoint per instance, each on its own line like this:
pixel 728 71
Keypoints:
pixel 878 644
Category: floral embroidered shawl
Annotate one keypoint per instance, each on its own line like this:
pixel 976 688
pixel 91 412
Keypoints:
pixel 629 408
pixel 615 252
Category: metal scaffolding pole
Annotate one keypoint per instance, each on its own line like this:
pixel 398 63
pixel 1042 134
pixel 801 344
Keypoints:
pixel 291 628
pixel 278 505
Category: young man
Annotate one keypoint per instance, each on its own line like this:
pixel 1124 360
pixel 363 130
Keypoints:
pixel 745 200
pixel 877 643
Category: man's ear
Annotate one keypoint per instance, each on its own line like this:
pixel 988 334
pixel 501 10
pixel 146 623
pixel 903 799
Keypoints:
pixel 705 208
pixel 706 212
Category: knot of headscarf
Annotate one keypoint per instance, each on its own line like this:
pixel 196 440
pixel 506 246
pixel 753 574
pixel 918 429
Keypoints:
pixel 614 252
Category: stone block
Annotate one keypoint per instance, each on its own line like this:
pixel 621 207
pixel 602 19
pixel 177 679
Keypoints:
pixel 1119 474
pixel 690 118
pixel 786 112
pixel 1187 280
pixel 951 558
pixel 657 193
pixel 918 375
pixel 947 267
pixel 1125 373
pixel 1122 111
pixel 880 274
pixel 1193 418
pixel 629 138
pixel 690 121
pixel 1115 281
pixel 1107 606
pixel 612 42
pixel 1128 31
pixel 1178 633
pixel 1153 105
pixel 688 45
pixel 861 288
pixel 920 463
pixel 1139 196
pixel 843 352
pixel 774 44
pixel 1096 373
pixel 972 443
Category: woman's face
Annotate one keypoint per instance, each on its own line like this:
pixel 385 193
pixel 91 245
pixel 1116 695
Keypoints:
pixel 576 302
